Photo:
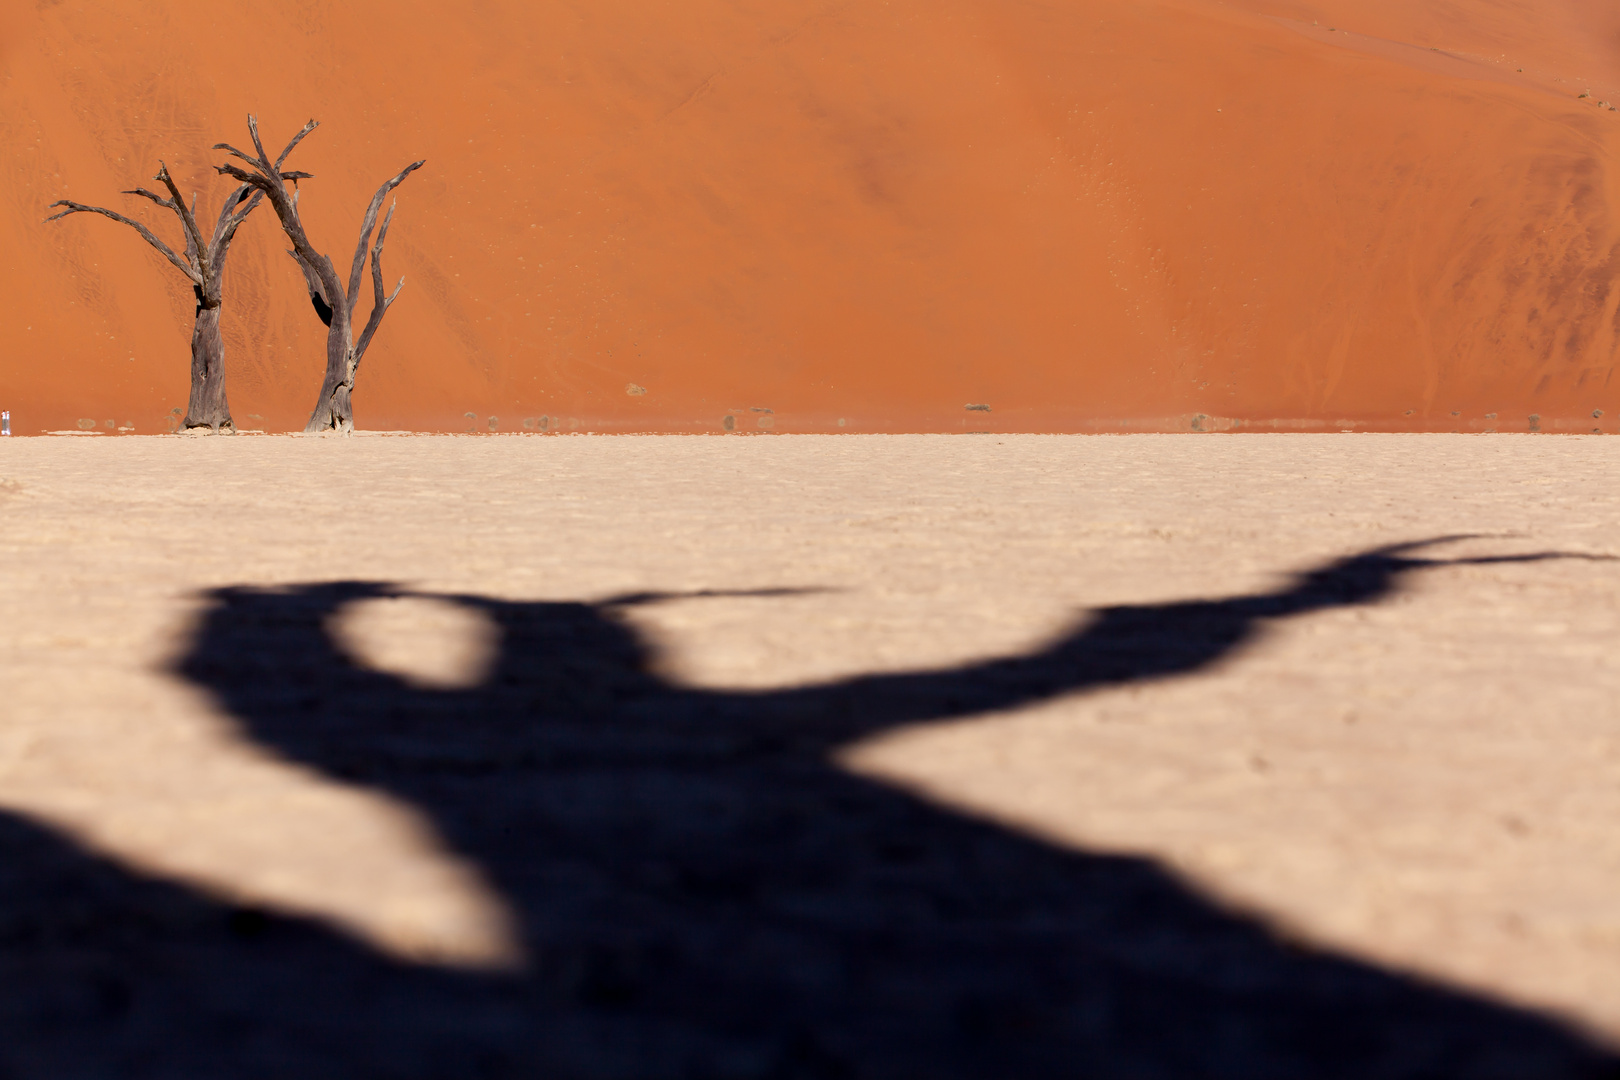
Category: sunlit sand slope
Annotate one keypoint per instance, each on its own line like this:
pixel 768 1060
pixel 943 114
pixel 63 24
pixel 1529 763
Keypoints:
pixel 856 216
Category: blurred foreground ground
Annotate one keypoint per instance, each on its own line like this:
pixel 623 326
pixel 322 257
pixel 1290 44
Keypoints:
pixel 579 754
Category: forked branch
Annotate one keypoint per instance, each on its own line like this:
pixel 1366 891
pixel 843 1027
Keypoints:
pixel 188 220
pixel 229 216
pixel 266 176
pixel 359 265
pixel 202 263
pixel 230 220
pixel 333 303
pixel 200 258
pixel 379 304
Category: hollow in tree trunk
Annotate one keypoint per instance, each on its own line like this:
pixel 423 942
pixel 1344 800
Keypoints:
pixel 204 266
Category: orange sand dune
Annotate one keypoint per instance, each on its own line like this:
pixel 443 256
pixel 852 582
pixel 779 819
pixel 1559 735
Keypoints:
pixel 1085 214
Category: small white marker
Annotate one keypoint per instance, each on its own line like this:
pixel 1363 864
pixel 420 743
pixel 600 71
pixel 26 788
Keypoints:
pixel 5 423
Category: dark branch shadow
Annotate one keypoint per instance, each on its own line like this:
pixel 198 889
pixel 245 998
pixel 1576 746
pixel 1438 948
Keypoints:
pixel 703 895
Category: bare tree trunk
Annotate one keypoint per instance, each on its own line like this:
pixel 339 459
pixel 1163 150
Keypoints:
pixel 333 411
pixel 208 407
pixel 335 304
pixel 204 266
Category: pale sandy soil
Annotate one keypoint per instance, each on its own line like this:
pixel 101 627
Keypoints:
pixel 1422 781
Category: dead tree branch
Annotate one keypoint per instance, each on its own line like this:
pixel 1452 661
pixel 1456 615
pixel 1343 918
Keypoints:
pixel 379 304
pixel 333 302
pixel 203 264
pixel 192 273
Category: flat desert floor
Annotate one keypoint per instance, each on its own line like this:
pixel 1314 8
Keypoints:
pixel 810 755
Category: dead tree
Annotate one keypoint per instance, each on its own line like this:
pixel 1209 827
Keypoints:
pixel 204 267
pixel 334 303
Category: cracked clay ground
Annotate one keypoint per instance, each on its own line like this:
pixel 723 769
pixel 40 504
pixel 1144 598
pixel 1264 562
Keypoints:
pixel 1415 770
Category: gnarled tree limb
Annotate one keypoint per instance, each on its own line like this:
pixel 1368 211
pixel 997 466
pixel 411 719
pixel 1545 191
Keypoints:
pixel 180 264
pixel 234 152
pixel 188 220
pixel 230 218
pixel 268 178
pixel 332 302
pixel 379 305
pixel 317 290
pixel 202 263
pixel 370 222
pixel 225 229
pixel 296 139
pixel 154 196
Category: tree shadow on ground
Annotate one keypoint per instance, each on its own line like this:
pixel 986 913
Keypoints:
pixel 702 894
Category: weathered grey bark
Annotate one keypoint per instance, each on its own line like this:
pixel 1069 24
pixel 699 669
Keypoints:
pixel 335 304
pixel 204 267
pixel 208 405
